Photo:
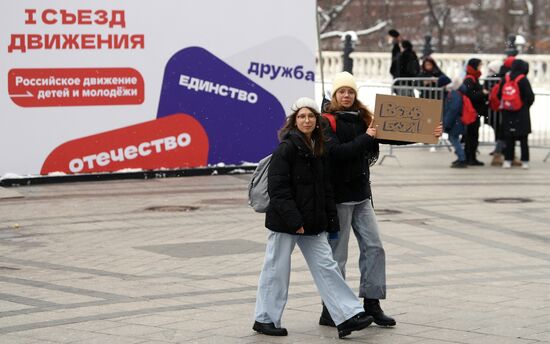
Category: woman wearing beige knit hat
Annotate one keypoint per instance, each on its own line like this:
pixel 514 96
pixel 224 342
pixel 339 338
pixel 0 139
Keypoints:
pixel 352 148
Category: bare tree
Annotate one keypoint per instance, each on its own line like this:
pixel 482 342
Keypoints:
pixel 507 18
pixel 363 32
pixel 439 17
pixel 532 10
pixel 456 25
pixel 327 16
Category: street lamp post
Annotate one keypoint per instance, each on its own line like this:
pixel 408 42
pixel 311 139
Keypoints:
pixel 348 49
pixel 511 49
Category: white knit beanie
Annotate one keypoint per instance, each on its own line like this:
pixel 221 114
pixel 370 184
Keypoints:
pixel 304 102
pixel 343 79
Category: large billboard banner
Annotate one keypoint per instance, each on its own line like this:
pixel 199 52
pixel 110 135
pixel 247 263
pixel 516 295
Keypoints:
pixel 106 86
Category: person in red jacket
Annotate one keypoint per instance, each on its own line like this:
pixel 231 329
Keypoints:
pixel 478 96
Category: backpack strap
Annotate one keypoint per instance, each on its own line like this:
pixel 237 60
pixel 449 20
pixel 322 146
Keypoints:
pixel 468 76
pixel 331 120
pixel 519 77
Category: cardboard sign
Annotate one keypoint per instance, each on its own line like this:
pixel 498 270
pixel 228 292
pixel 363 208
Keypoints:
pixel 407 118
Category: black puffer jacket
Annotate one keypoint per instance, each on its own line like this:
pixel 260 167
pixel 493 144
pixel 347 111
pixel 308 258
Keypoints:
pixel 299 190
pixel 348 150
pixel 409 67
pixel 518 123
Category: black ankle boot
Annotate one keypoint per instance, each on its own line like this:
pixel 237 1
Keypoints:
pixel 269 329
pixel 372 308
pixel 356 323
pixel 326 319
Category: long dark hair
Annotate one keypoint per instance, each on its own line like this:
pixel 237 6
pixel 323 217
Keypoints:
pixel 333 107
pixel 317 134
pixel 435 68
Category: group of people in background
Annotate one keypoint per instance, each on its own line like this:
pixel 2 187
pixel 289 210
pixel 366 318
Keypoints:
pixel 510 124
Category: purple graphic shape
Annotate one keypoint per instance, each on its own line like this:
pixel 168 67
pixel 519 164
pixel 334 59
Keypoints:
pixel 237 130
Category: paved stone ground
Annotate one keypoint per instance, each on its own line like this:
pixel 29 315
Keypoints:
pixel 87 263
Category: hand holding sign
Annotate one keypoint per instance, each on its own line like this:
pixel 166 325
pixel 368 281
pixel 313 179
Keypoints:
pixel 371 130
pixel 438 131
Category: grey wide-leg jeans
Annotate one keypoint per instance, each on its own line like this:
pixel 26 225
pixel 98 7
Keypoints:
pixel 372 258
pixel 272 294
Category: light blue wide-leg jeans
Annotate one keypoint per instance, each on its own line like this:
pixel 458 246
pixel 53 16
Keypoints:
pixel 272 294
pixel 372 258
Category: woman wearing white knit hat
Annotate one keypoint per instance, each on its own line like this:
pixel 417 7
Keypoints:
pixel 302 211
pixel 352 147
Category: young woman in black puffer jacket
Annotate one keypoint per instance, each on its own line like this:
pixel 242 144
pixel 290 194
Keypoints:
pixel 352 148
pixel 301 211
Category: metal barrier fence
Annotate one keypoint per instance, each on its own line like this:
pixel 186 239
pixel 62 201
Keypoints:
pixel 427 88
pixel 417 87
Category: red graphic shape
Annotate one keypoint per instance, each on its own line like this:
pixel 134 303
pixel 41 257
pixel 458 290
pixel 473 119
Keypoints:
pixel 176 141
pixel 75 87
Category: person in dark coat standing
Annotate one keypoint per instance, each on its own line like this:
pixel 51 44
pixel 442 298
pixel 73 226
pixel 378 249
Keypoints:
pixel 404 64
pixel 409 67
pixel 301 211
pixel 478 96
pixel 395 52
pixel 516 125
pixel 429 69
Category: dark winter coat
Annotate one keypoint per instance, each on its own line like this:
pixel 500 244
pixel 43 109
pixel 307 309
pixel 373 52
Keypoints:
pixel 472 89
pixel 518 123
pixel 409 66
pixel 395 54
pixel 495 120
pixel 424 73
pixel 349 149
pixel 434 73
pixel 452 113
pixel 299 189
pixel 351 152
